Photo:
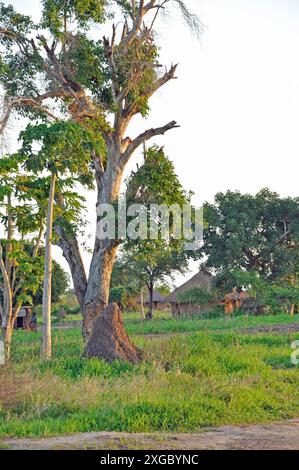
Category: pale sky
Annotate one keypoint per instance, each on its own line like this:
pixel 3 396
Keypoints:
pixel 236 98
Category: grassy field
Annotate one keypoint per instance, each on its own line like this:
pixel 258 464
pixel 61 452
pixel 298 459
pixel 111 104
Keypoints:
pixel 184 383
pixel 163 323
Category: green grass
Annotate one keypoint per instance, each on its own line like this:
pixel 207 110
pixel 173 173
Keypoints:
pixel 164 323
pixel 184 384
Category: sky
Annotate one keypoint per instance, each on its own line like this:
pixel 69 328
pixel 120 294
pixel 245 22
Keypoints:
pixel 236 99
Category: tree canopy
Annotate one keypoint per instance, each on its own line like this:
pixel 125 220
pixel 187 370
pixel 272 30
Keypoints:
pixel 251 233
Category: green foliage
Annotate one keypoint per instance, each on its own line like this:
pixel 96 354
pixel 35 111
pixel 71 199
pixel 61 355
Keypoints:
pixel 28 272
pixel 278 296
pixel 196 295
pixel 64 147
pixel 88 62
pixel 155 182
pixel 123 295
pixel 137 71
pixel 82 60
pixel 18 72
pixel 60 284
pixel 252 233
pixel 58 12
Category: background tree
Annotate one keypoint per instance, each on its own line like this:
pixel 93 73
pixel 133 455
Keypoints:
pixel 251 233
pixel 157 260
pixel 60 285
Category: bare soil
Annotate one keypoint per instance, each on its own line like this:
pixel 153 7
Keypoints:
pixel 284 435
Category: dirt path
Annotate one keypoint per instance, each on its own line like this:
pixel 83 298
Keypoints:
pixel 284 435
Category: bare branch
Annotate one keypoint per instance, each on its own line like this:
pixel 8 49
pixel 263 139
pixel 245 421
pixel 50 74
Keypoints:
pixel 22 102
pixel 146 135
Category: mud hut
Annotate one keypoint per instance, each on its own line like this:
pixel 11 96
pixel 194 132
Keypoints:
pixel 201 280
pixel 233 301
pixel 158 301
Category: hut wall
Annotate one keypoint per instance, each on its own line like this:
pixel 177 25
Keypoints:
pixel 158 306
pixel 187 309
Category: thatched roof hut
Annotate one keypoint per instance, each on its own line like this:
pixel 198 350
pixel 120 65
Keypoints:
pixel 233 300
pixel 158 301
pixel 201 280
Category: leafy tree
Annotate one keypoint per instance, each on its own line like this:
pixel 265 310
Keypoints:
pixel 53 68
pixel 63 149
pixel 124 296
pixel 279 297
pixel 21 216
pixel 251 233
pixel 60 285
pixel 156 260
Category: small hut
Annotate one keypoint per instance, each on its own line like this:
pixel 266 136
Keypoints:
pixel 158 301
pixel 201 280
pixel 233 301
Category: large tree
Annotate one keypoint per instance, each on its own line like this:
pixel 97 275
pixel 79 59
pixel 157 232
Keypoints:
pixel 54 68
pixel 257 233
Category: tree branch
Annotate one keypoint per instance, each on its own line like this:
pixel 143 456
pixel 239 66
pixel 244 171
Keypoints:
pixel 22 102
pixel 132 109
pixel 146 135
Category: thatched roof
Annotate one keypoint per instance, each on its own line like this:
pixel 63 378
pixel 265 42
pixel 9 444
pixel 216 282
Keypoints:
pixel 236 295
pixel 156 298
pixel 200 279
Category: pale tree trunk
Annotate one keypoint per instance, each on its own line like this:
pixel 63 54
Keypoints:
pixel 7 309
pixel 292 310
pixel 7 324
pixel 9 314
pixel 104 252
pixel 113 342
pixel 8 330
pixel 46 348
pixel 97 293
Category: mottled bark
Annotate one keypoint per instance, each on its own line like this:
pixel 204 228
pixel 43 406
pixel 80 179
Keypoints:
pixel 97 292
pixel 71 252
